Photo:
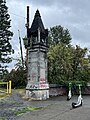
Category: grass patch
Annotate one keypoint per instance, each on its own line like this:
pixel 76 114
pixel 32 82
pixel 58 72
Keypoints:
pixel 2 118
pixel 24 110
pixel 21 91
pixel 2 96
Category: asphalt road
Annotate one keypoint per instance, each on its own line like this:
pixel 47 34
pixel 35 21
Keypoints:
pixel 57 108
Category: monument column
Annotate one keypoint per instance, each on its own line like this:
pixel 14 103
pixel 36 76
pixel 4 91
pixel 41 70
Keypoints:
pixel 37 87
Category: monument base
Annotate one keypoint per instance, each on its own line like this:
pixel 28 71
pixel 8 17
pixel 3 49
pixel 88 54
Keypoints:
pixel 37 91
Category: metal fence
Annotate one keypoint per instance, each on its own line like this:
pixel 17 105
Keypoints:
pixel 7 87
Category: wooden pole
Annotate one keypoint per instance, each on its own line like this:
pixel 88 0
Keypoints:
pixel 27 19
pixel 21 48
pixel 27 27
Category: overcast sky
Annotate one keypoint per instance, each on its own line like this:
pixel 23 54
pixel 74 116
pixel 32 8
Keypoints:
pixel 71 14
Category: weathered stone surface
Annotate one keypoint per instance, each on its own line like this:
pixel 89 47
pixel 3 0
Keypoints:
pixel 37 86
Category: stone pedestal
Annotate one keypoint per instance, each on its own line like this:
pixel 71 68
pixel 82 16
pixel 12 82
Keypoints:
pixel 37 91
pixel 37 87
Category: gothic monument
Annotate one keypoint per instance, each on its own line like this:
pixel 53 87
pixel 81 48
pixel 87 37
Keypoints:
pixel 37 87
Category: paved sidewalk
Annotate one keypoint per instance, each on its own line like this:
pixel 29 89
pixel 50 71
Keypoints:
pixel 57 108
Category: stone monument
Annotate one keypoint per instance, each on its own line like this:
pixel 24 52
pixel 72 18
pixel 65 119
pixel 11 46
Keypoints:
pixel 37 87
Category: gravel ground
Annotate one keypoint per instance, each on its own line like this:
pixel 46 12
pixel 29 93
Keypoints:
pixel 14 103
pixel 10 104
pixel 55 108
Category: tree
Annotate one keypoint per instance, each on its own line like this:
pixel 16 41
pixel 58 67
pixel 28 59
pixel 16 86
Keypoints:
pixel 68 63
pixel 78 59
pixel 5 37
pixel 81 69
pixel 60 63
pixel 65 62
pixel 18 76
pixel 58 34
pixel 59 41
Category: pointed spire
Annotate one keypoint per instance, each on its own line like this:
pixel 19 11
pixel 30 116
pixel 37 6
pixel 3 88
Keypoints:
pixel 37 23
pixel 37 14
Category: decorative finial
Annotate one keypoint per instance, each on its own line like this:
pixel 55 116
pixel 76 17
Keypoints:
pixel 37 13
